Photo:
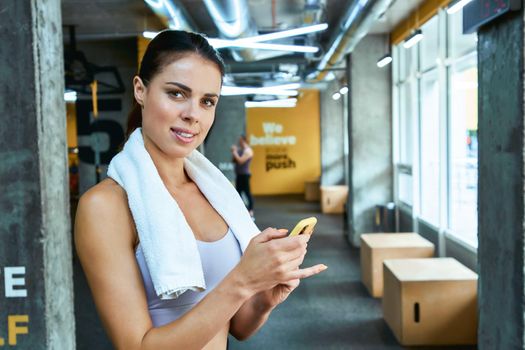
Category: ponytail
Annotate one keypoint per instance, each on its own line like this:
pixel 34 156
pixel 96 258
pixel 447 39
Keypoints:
pixel 134 119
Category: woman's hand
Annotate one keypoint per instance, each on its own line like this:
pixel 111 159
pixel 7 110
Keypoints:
pixel 272 297
pixel 271 263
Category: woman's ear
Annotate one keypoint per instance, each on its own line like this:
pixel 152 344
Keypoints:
pixel 139 90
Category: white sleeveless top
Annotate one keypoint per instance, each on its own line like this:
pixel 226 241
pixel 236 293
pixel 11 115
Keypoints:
pixel 218 259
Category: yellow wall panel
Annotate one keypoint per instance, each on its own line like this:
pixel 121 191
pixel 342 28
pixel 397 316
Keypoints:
pixel 142 45
pixel 287 145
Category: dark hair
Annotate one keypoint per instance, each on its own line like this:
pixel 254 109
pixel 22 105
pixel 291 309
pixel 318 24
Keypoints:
pixel 166 47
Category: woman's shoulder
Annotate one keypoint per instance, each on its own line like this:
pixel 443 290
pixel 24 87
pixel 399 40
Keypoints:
pixel 103 210
pixel 106 195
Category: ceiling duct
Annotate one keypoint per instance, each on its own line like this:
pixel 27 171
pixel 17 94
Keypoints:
pixel 355 24
pixel 172 14
pixel 233 20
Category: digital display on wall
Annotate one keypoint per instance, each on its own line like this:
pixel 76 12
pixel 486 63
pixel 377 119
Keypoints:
pixel 479 12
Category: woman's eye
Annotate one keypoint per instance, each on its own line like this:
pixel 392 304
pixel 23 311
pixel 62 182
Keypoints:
pixel 175 93
pixel 209 102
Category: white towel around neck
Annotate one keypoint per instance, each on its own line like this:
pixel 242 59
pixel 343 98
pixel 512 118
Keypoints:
pixel 168 243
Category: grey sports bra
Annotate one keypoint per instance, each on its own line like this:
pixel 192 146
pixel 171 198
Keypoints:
pixel 218 259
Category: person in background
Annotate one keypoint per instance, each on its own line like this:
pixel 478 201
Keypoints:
pixel 242 156
pixel 247 272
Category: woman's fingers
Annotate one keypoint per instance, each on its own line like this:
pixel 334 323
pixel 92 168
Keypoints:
pixel 307 272
pixel 269 234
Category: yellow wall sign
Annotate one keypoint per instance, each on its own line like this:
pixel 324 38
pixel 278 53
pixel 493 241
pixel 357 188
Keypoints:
pixel 286 144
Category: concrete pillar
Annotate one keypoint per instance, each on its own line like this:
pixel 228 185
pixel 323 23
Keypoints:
pixel 501 216
pixel 332 136
pixel 230 123
pixel 370 134
pixel 36 298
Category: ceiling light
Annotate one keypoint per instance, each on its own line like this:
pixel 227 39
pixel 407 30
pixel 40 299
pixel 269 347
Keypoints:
pixel 244 90
pixel 292 86
pixel 221 43
pixel 455 6
pixel 249 42
pixel 343 90
pixel 336 96
pixel 385 60
pixel 286 33
pixel 284 103
pixel 149 35
pixel 70 96
pixel 413 39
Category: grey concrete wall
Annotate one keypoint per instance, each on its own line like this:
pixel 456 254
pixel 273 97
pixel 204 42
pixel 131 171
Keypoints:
pixel 501 216
pixel 34 202
pixel 370 136
pixel 332 136
pixel 230 123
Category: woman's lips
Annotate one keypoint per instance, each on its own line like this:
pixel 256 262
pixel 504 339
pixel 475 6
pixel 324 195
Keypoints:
pixel 183 135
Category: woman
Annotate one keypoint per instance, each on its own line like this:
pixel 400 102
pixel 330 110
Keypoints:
pixel 242 158
pixel 176 94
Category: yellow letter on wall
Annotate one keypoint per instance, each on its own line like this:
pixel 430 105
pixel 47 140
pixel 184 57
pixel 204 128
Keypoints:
pixel 14 329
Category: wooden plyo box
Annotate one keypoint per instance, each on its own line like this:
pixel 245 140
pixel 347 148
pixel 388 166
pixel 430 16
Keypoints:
pixel 312 191
pixel 377 247
pixel 333 199
pixel 430 301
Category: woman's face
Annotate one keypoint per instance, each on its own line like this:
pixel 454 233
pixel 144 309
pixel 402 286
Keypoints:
pixel 179 104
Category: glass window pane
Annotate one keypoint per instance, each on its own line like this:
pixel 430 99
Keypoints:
pixel 429 44
pixel 429 146
pixel 406 61
pixel 405 188
pixel 459 44
pixel 405 124
pixel 463 169
pixel 395 64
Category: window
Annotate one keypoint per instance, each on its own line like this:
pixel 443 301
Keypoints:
pixel 463 143
pixel 429 44
pixel 429 148
pixel 436 127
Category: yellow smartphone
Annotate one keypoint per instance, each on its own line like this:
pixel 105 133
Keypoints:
pixel 305 226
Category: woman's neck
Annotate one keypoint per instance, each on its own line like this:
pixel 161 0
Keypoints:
pixel 171 170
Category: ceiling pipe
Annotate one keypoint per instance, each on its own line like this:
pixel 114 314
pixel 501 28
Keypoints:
pixel 234 21
pixel 172 14
pixel 355 24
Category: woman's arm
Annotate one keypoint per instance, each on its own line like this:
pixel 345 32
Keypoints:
pixel 104 238
pixel 246 155
pixel 255 312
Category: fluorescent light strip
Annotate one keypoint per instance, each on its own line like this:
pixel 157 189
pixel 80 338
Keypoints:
pixel 457 6
pixel 221 43
pixel 238 90
pixel 384 61
pixel 284 103
pixel 285 33
pixel 413 39
pixel 249 42
pixel 149 35
pixel 292 86
pixel 70 96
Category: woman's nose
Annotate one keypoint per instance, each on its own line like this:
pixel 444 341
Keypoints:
pixel 190 111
